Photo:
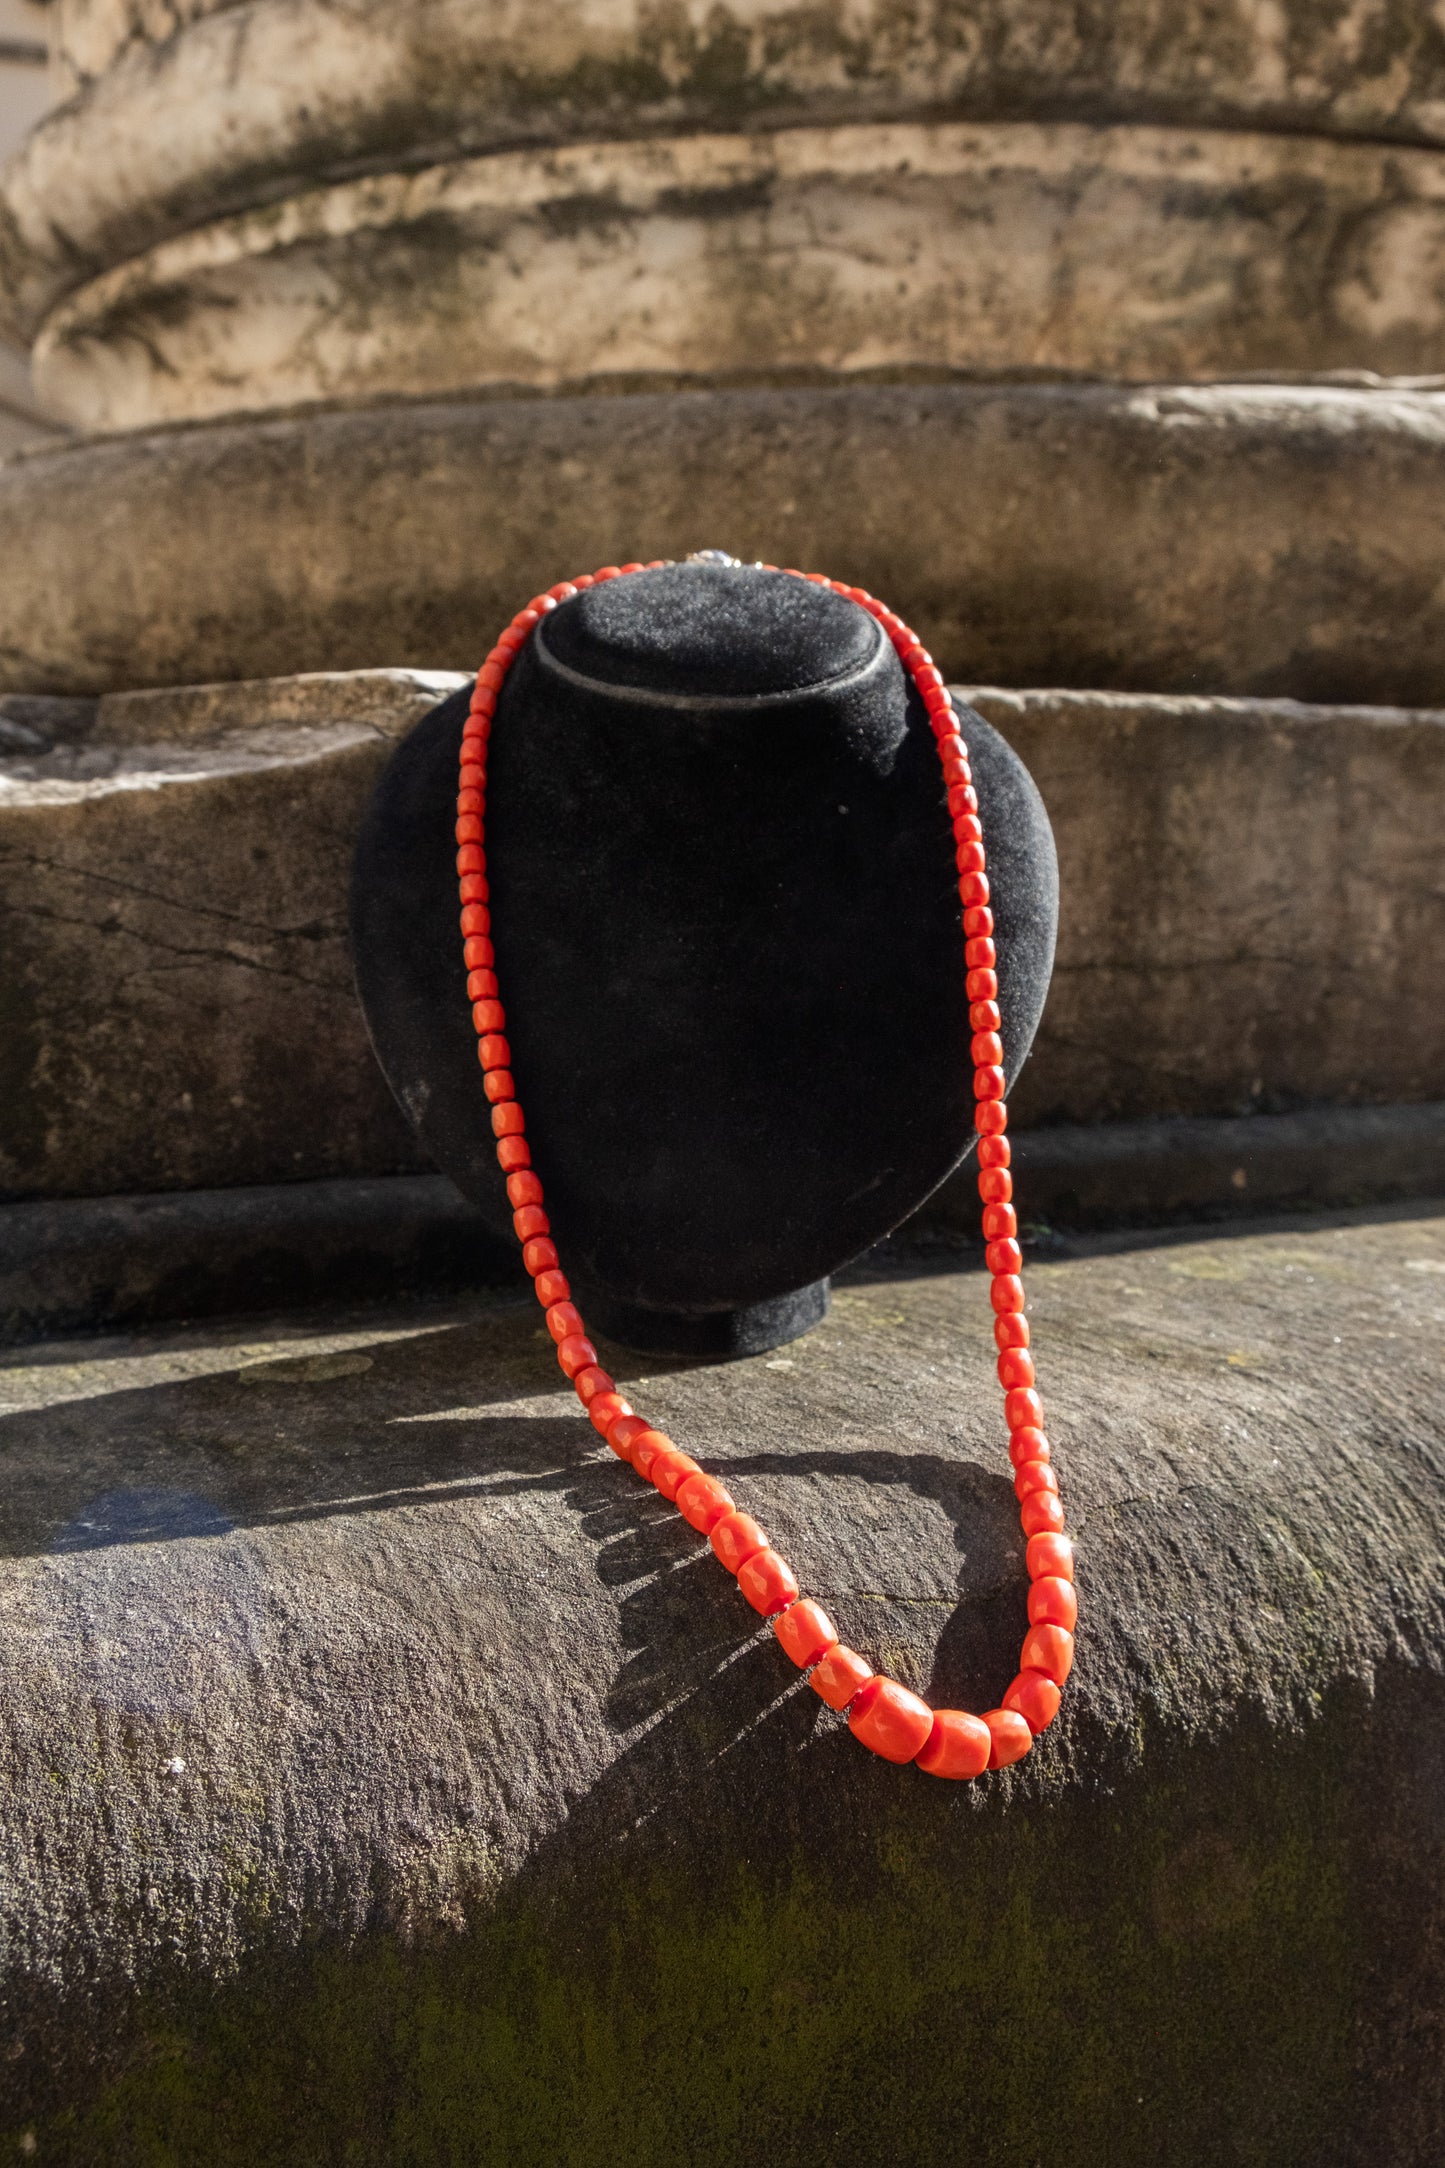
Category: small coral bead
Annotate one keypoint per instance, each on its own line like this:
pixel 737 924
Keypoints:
pixel 1022 1407
pixel 539 1254
pixel 646 1446
pixel 1052 1602
pixel 1009 1736
pixel 737 1539
pixel 839 1676
pixel 958 1745
pixel 806 1633
pixel 575 1353
pixel 1032 1477
pixel 590 1382
pixel 702 1502
pixel 1004 1258
pixel 1034 1698
pixel 1049 1649
pixel 1007 1292
pixel 889 1720
pixel 1041 1514
pixel 603 1409
pixel 531 1220
pixel 513 1152
pixel 1015 1368
pixel 1028 1444
pixel 669 1471
pixel 1049 1555
pixel 1011 1330
pixel 768 1582
pixel 523 1189
pixel 1000 1223
pixel 508 1119
pixel 549 1287
pixel 995 1185
pixel 622 1431
pixel 563 1320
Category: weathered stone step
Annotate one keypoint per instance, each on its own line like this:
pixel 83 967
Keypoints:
pixel 1251 921
pixel 387 1773
pixel 74 1264
pixel 1234 539
pixel 195 110
pixel 1141 254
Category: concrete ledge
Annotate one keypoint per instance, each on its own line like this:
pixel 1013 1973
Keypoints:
pixel 76 1264
pixel 387 1775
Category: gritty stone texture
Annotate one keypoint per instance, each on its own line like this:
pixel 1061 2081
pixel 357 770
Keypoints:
pixel 389 1776
pixel 1143 254
pixel 183 109
pixel 1246 539
pixel 1251 912
pixel 175 985
pixel 176 981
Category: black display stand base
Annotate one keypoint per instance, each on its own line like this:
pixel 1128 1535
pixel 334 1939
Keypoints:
pixel 713 1333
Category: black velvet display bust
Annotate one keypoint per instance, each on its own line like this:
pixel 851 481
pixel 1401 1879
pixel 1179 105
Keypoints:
pixel 728 939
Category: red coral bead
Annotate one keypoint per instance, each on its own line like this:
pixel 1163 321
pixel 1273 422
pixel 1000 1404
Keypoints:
pixel 575 1353
pixel 981 986
pixel 839 1676
pixel 498 1084
pixel 806 1632
pixel 1004 1259
pixel 646 1446
pixel 623 1431
pixel 1052 1602
pixel 481 986
pixel 1034 1476
pixel 984 1016
pixel 1007 1292
pixel 1049 1554
pixel 1000 1223
pixel 1028 1444
pixel 540 1254
pixel 508 1120
pixel 958 1745
pixel 493 1052
pixel 590 1382
pixel 478 953
pixel 987 1051
pixel 978 921
pixel 563 1319
pixel 1015 1368
pixel 476 918
pixel 524 1188
pixel 603 1409
pixel 995 1184
pixel 1049 1649
pixel 1011 1330
pixel 889 1720
pixel 513 1152
pixel 991 1118
pixel 1035 1698
pixel 467 828
pixel 531 1220
pixel 736 1540
pixel 1023 1409
pixel 488 1016
pixel 994 1152
pixel 669 1471
pixel 702 1502
pixel 970 861
pixel 1041 1514
pixel 549 1287
pixel 768 1582
pixel 979 953
pixel 989 1082
pixel 1010 1737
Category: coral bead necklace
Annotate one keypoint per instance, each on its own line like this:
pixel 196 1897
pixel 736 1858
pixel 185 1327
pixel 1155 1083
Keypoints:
pixel 884 1715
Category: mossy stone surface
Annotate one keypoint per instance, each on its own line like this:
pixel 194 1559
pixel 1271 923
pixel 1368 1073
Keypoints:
pixel 505 1834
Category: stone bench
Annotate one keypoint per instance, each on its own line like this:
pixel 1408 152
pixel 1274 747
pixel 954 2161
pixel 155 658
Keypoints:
pixel 390 1777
